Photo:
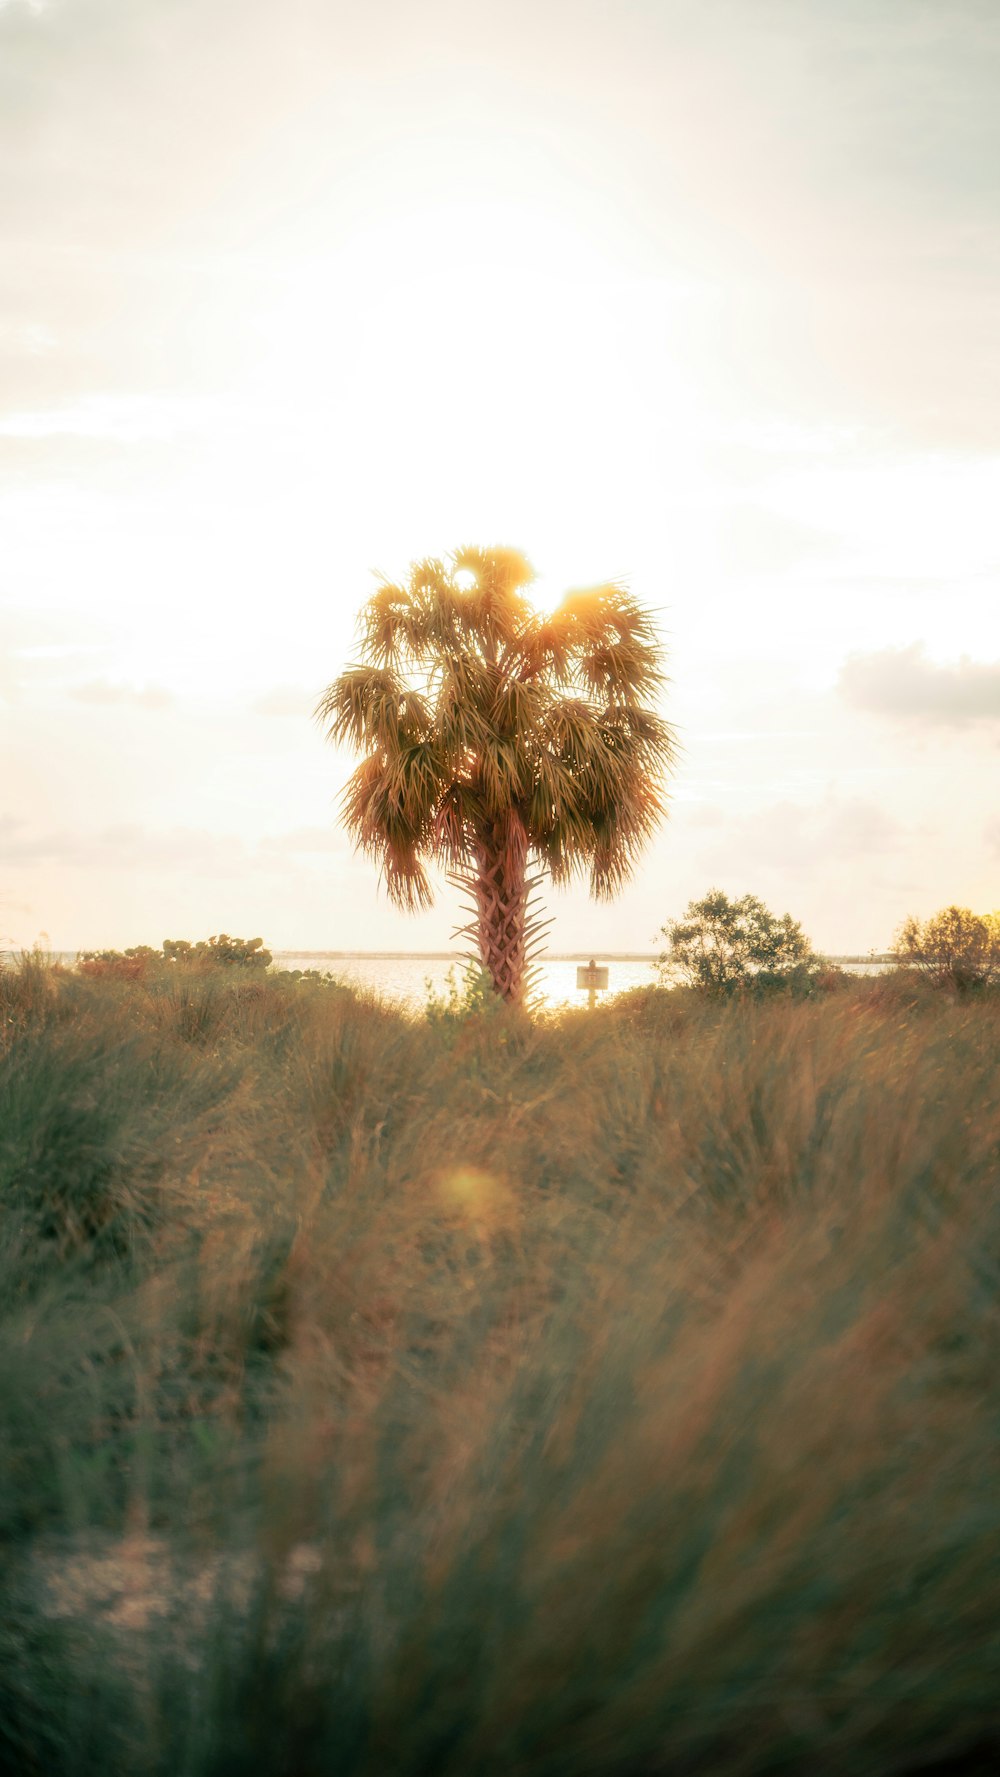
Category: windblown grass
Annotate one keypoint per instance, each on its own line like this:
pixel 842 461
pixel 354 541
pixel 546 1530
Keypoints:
pixel 616 1393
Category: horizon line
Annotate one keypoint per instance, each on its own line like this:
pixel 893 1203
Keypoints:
pixel 456 956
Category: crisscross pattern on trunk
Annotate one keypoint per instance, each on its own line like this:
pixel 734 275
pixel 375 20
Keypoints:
pixel 501 898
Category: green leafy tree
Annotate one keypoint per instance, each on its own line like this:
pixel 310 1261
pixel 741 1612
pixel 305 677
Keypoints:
pixel 723 945
pixel 501 743
pixel 955 947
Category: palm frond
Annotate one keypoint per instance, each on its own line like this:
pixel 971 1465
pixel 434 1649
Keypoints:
pixel 499 569
pixel 463 727
pixel 406 880
pixel 439 603
pixel 567 845
pixel 371 706
pixel 542 652
pixel 518 707
pixel 386 625
pixel 458 816
pixel 415 779
pixel 386 825
pixel 502 774
pixel 609 642
pixel 570 730
pixel 622 671
pixel 644 734
pixel 621 830
pixel 494 611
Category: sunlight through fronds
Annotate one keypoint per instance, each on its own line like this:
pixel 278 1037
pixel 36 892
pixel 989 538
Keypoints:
pixel 494 735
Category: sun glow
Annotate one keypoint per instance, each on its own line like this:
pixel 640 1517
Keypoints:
pixel 493 403
pixel 613 291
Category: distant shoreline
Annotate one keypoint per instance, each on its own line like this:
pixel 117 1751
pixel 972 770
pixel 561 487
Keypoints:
pixel 553 956
pixel 457 956
pixel 874 958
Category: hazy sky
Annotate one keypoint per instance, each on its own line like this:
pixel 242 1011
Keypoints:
pixel 698 293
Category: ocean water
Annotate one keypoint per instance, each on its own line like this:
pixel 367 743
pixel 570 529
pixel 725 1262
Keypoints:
pixel 406 978
pixel 409 978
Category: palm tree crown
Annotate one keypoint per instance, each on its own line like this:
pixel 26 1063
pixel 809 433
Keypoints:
pixel 495 738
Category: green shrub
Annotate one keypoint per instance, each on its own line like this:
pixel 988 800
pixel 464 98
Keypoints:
pixel 474 996
pixel 221 951
pixel 955 948
pixel 133 964
pixel 722 946
pixel 140 961
pixel 95 1122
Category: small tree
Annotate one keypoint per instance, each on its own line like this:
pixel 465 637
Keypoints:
pixel 954 948
pixel 722 945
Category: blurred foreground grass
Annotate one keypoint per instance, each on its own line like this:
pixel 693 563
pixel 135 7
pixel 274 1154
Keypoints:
pixel 616 1393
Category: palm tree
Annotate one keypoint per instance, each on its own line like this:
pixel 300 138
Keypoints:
pixel 499 742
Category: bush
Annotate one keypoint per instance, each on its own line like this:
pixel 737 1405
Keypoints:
pixel 722 945
pixel 954 948
pixel 133 964
pixel 140 961
pixel 30 983
pixel 95 1124
pixel 475 995
pixel 221 951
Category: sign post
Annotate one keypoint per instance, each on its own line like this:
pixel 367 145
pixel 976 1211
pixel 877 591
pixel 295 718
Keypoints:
pixel 595 980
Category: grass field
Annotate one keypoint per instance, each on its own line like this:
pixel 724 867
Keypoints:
pixel 613 1393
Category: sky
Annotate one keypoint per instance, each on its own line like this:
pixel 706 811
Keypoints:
pixel 697 294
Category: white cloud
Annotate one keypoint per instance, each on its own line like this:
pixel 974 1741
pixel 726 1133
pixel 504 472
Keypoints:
pixel 121 845
pixel 701 814
pixel 285 700
pixel 789 839
pixel 130 845
pixel 99 691
pixel 112 419
pixel 903 683
pixel 305 840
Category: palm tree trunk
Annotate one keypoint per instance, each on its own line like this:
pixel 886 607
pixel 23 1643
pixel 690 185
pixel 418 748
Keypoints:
pixel 500 890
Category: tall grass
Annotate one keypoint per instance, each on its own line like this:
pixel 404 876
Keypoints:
pixel 611 1393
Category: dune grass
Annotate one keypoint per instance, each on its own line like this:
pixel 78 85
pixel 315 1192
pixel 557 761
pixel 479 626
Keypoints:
pixel 610 1393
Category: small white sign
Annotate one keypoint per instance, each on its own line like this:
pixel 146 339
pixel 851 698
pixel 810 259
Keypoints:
pixel 591 977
